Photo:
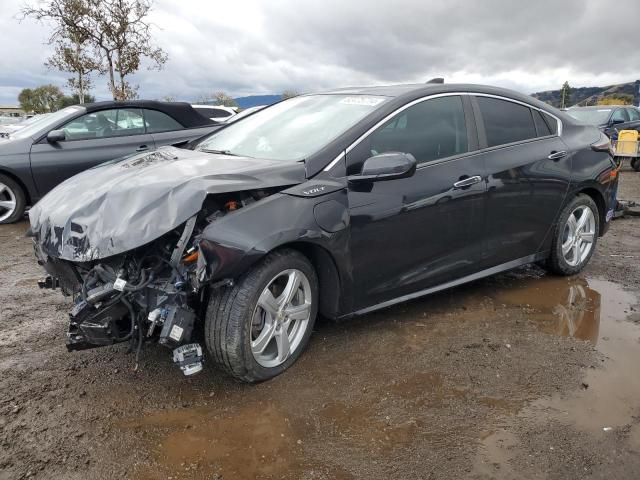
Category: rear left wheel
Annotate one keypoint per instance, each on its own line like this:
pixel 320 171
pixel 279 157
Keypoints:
pixel 575 237
pixel 12 200
pixel 635 164
pixel 257 328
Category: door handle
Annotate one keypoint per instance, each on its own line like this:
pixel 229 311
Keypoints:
pixel 557 155
pixel 142 148
pixel 467 182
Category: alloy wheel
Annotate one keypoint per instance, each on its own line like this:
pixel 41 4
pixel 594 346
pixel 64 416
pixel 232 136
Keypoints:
pixel 7 202
pixel 280 318
pixel 578 236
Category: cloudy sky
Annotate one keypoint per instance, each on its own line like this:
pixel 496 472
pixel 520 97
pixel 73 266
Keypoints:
pixel 260 47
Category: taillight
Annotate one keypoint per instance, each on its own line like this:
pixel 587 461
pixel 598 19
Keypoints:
pixel 603 144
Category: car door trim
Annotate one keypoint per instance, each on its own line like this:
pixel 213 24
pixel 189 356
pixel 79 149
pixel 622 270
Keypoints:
pixel 440 95
pixel 453 283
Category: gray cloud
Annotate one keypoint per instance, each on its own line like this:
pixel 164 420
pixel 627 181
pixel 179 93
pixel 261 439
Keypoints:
pixel 254 47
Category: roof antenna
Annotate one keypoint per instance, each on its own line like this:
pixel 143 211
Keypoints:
pixel 436 80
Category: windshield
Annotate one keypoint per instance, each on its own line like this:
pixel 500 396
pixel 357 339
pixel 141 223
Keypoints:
pixel 591 116
pixel 49 120
pixel 293 129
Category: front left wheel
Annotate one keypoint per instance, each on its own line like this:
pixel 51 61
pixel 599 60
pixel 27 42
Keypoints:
pixel 257 328
pixel 12 200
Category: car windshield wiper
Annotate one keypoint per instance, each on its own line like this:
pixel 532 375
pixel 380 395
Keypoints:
pixel 221 152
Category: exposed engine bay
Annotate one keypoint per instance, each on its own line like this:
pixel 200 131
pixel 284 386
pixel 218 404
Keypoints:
pixel 154 293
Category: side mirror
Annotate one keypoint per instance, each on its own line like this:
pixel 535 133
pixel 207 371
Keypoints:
pixel 386 166
pixel 55 136
pixel 617 121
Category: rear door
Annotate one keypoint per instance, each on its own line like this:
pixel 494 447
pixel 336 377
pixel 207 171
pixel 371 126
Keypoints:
pixel 91 139
pixel 167 131
pixel 529 170
pixel 413 233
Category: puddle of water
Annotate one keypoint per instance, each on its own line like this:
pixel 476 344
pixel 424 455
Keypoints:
pixel 612 394
pixel 561 306
pixel 593 310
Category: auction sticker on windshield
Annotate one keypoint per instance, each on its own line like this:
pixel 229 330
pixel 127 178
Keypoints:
pixel 362 100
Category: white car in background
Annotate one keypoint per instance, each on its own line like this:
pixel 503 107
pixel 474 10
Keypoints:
pixel 217 113
pixel 7 130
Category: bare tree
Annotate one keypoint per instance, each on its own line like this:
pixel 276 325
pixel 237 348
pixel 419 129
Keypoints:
pixel 222 98
pixel 123 36
pixel 71 39
pixel 290 93
pixel 72 55
pixel 117 31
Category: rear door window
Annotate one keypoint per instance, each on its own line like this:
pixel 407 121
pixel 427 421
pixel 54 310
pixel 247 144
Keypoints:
pixel 506 122
pixel 160 122
pixel 634 114
pixel 620 115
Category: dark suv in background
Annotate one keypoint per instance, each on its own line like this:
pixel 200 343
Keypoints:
pixel 38 157
pixel 608 118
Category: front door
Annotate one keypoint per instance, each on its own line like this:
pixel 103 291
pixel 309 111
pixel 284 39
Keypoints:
pixel 90 140
pixel 413 233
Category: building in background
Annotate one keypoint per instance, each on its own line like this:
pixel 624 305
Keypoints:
pixel 9 111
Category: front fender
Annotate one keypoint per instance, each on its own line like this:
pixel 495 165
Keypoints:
pixel 232 244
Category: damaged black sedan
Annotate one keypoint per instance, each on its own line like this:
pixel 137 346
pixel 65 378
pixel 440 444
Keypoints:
pixel 336 204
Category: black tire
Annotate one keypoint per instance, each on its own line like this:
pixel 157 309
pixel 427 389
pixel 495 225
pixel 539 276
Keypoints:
pixel 635 164
pixel 556 263
pixel 20 199
pixel 229 317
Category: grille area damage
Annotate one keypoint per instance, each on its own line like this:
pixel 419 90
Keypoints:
pixel 153 293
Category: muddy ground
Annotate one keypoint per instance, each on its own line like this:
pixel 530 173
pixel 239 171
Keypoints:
pixel 517 376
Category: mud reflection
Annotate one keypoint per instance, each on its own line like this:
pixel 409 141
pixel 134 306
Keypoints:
pixel 560 306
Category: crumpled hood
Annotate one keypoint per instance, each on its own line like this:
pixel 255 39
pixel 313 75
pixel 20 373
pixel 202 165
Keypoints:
pixel 121 205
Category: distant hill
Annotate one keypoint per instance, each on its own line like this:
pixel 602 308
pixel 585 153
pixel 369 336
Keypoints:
pixel 591 95
pixel 255 100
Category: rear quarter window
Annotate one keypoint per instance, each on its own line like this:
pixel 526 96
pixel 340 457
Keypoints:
pixel 541 126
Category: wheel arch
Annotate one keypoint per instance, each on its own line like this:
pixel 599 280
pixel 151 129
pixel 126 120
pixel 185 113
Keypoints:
pixel 21 184
pixel 597 196
pixel 325 265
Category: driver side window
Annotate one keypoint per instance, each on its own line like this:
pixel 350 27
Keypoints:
pixel 620 115
pixel 105 124
pixel 429 130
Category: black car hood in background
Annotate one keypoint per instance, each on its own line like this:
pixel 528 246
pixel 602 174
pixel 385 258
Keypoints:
pixel 125 204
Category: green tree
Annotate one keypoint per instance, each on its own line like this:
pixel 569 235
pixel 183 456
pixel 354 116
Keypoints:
pixel 42 99
pixel 74 99
pixel 565 95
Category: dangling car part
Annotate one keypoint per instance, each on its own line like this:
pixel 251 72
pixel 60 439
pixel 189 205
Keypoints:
pixel 339 203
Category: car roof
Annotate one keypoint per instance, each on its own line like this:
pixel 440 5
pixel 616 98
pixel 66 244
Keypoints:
pixel 601 107
pixel 424 89
pixel 183 112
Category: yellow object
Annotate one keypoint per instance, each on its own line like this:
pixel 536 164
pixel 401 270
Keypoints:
pixel 627 145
